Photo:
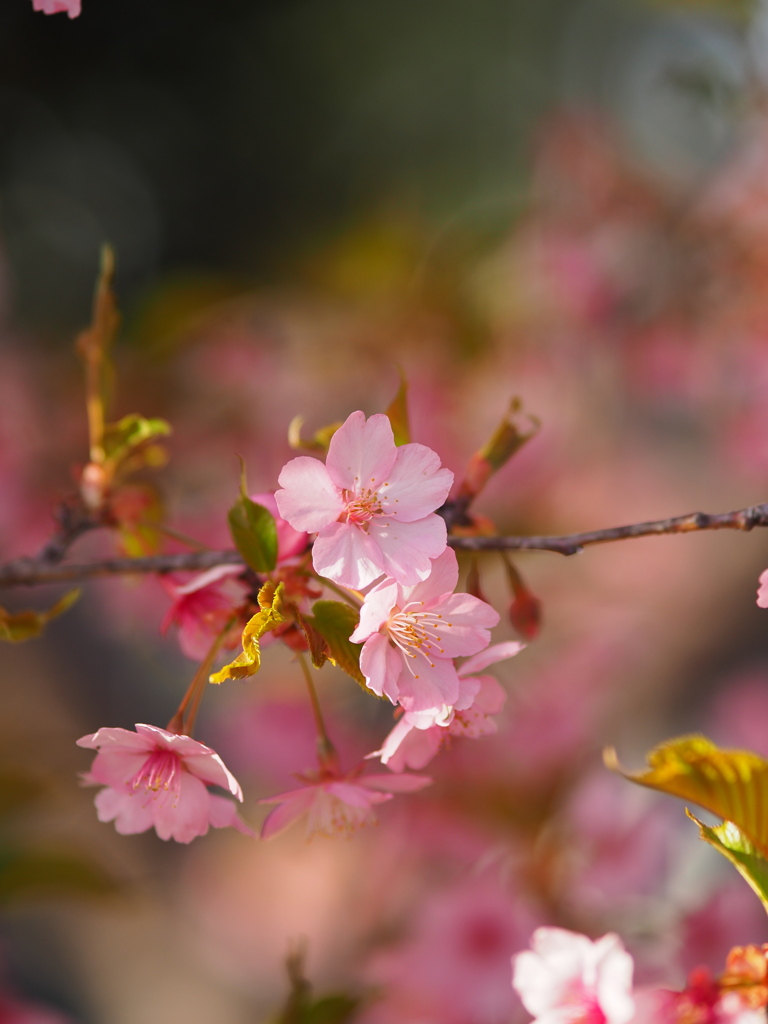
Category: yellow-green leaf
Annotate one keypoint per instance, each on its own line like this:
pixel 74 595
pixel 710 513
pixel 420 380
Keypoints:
pixel 19 626
pixel 269 616
pixel 336 622
pixel 729 840
pixel 398 413
pixel 733 784
pixel 317 443
pixel 125 436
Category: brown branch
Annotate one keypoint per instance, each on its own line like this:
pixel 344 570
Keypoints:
pixel 34 570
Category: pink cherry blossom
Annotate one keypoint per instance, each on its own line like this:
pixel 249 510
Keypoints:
pixel 336 802
pixel 418 735
pixel 372 504
pixel 762 593
pixel 566 978
pixel 411 635
pixel 201 608
pixel 155 778
pixel 70 7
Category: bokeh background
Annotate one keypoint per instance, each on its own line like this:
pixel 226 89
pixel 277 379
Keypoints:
pixel 562 201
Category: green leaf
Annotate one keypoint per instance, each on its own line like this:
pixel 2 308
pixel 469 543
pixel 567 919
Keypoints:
pixel 121 439
pixel 729 840
pixel 336 622
pixel 254 532
pixel 398 413
pixel 269 616
pixel 19 626
pixel 318 646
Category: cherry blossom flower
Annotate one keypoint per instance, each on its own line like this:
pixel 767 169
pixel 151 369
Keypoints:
pixel 155 778
pixel 762 593
pixel 566 978
pixel 418 735
pixel 336 802
pixel 411 635
pixel 70 7
pixel 372 504
pixel 201 608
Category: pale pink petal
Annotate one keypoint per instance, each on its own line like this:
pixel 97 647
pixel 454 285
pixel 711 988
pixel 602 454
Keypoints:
pixel 328 815
pixel 356 794
pixel 376 609
pixel 291 806
pixel 416 749
pixel 115 739
pixel 614 979
pixel 407 549
pixel 442 580
pixel 416 485
pixel 382 665
pixel 762 593
pixel 117 767
pixel 396 783
pixel 430 686
pixel 347 555
pixel 309 500
pixel 185 817
pixel 392 742
pixel 361 454
pixel 492 654
pixel 211 769
pixel 125 809
pixel 491 695
pixel 222 813
pixel 205 579
pixel 468 691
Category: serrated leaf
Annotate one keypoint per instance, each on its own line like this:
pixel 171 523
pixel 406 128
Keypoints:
pixel 336 622
pixel 269 616
pixel 122 438
pixel 19 626
pixel 318 646
pixel 254 532
pixel 729 840
pixel 398 413
pixel 733 784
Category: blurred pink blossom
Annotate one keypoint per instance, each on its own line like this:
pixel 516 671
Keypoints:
pixel 201 608
pixel 566 978
pixel 762 593
pixel 155 778
pixel 336 802
pixel 350 502
pixel 411 635
pixel 418 735
pixel 70 7
pixel 703 1002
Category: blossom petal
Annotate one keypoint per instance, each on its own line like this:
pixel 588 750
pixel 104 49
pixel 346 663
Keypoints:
pixel 492 654
pixel 382 665
pixel 211 769
pixel 309 500
pixel 125 809
pixel 222 813
pixel 376 609
pixel 361 454
pixel 429 685
pixel 185 817
pixel 408 549
pixel 416 485
pixel 116 738
pixel 347 555
pixel 290 807
pixel 762 593
pixel 442 580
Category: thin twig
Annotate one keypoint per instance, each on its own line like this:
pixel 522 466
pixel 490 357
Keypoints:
pixel 32 571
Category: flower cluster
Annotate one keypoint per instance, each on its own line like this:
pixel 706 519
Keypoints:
pixel 566 978
pixel 372 507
